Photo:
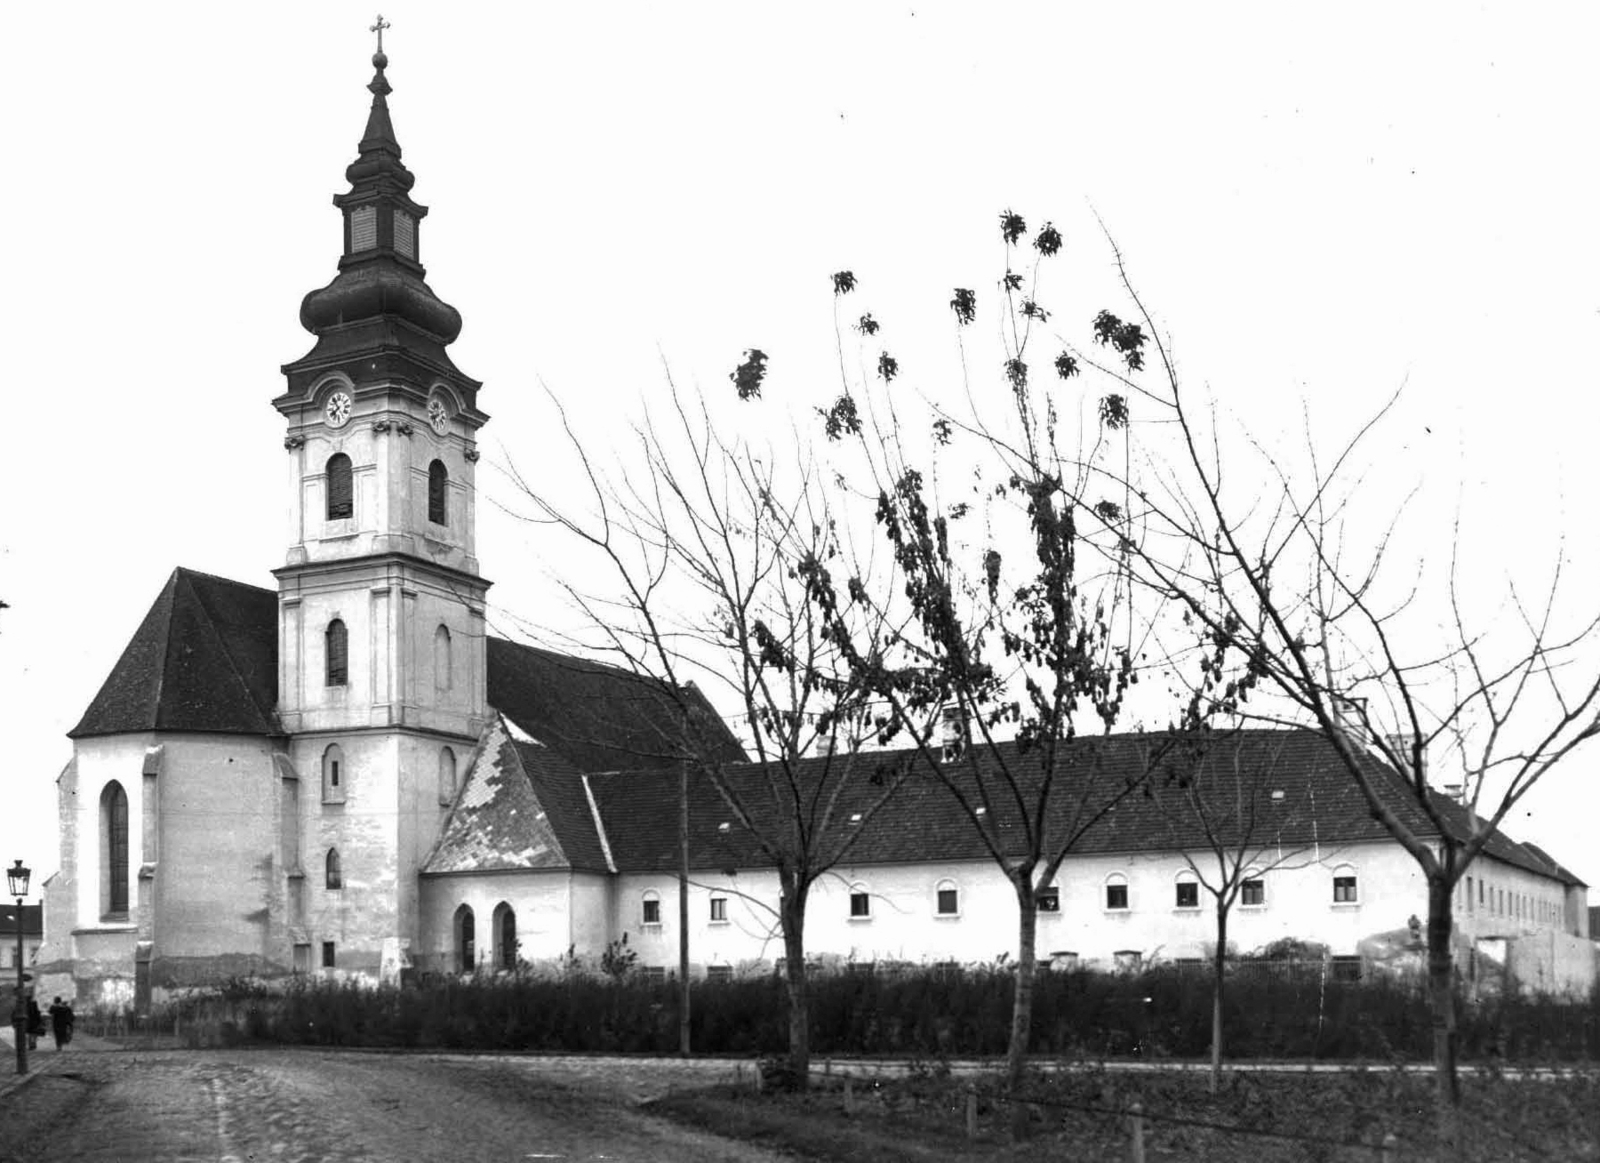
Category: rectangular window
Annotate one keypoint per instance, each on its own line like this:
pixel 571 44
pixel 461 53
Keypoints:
pixel 1253 892
pixel 302 958
pixel 948 902
pixel 1344 890
pixel 327 955
pixel 363 228
pixel 655 974
pixel 1347 969
pixel 1469 894
pixel 719 908
pixel 1188 895
pixel 1116 896
pixel 652 912
pixel 719 973
pixel 1047 900
pixel 860 905
pixel 405 234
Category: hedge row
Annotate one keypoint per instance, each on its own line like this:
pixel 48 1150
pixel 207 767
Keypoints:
pixel 1082 1014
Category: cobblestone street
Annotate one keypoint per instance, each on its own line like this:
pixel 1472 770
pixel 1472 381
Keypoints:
pixel 285 1106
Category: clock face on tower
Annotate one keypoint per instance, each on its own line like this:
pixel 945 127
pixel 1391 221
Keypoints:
pixel 337 410
pixel 438 416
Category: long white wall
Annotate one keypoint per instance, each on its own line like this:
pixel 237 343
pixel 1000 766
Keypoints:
pixel 903 921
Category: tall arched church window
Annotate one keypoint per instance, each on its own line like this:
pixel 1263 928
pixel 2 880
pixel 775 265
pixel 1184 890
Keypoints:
pixel 442 676
pixel 505 936
pixel 334 877
pixel 466 940
pixel 447 775
pixel 341 491
pixel 333 775
pixel 114 852
pixel 338 653
pixel 438 493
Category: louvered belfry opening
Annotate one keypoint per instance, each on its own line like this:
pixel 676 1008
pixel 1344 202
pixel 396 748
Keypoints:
pixel 338 654
pixel 438 482
pixel 341 494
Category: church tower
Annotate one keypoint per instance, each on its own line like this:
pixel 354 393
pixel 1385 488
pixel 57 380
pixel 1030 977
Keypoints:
pixel 381 643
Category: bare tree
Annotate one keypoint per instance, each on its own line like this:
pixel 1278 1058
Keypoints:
pixel 1291 581
pixel 701 540
pixel 1236 813
pixel 1005 637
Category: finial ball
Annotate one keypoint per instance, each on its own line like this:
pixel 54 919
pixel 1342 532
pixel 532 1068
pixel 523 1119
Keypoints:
pixel 380 60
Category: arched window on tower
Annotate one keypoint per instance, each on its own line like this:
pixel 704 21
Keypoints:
pixel 335 876
pixel 341 492
pixel 442 676
pixel 505 936
pixel 338 653
pixel 466 940
pixel 438 493
pixel 114 853
pixel 333 775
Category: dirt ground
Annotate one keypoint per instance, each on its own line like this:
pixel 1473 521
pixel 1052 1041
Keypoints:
pixel 283 1106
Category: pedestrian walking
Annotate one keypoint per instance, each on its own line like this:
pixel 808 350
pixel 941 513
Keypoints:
pixel 61 1019
pixel 35 1023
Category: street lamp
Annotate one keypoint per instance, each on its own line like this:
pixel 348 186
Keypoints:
pixel 17 882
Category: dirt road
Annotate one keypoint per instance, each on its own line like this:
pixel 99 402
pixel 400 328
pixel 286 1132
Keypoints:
pixel 284 1106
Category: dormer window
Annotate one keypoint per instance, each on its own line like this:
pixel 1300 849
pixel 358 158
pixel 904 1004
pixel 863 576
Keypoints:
pixel 363 228
pixel 405 234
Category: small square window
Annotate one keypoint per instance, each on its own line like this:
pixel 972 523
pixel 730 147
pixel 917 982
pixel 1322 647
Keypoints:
pixel 1253 892
pixel 1188 894
pixel 1047 900
pixel 949 901
pixel 719 908
pixel 719 973
pixel 1344 890
pixel 652 911
pixel 1116 896
pixel 327 955
pixel 860 906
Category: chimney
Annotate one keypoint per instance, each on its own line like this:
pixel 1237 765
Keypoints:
pixel 1402 743
pixel 1349 715
pixel 952 733
pixel 824 745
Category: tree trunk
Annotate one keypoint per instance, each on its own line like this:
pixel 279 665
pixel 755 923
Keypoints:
pixel 1441 997
pixel 1219 971
pixel 799 986
pixel 1022 1008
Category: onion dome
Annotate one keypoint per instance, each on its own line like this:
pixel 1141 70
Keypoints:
pixel 380 276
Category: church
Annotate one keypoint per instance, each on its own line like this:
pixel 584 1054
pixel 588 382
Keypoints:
pixel 347 776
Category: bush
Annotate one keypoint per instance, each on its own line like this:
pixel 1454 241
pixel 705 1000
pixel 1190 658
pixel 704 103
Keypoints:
pixel 924 1013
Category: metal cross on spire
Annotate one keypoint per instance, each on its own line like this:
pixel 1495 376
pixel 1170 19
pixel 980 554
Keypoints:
pixel 378 28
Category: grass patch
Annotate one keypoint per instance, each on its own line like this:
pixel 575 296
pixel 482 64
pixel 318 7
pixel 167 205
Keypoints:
pixel 1266 1118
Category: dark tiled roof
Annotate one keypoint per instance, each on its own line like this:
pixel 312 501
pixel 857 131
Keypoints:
pixel 1562 873
pixel 205 658
pixel 32 920
pixel 1320 804
pixel 599 717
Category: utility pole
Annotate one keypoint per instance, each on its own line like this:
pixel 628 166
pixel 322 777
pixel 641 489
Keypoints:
pixel 683 908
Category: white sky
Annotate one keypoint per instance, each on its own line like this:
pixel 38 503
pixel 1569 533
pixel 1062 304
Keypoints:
pixel 1318 207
